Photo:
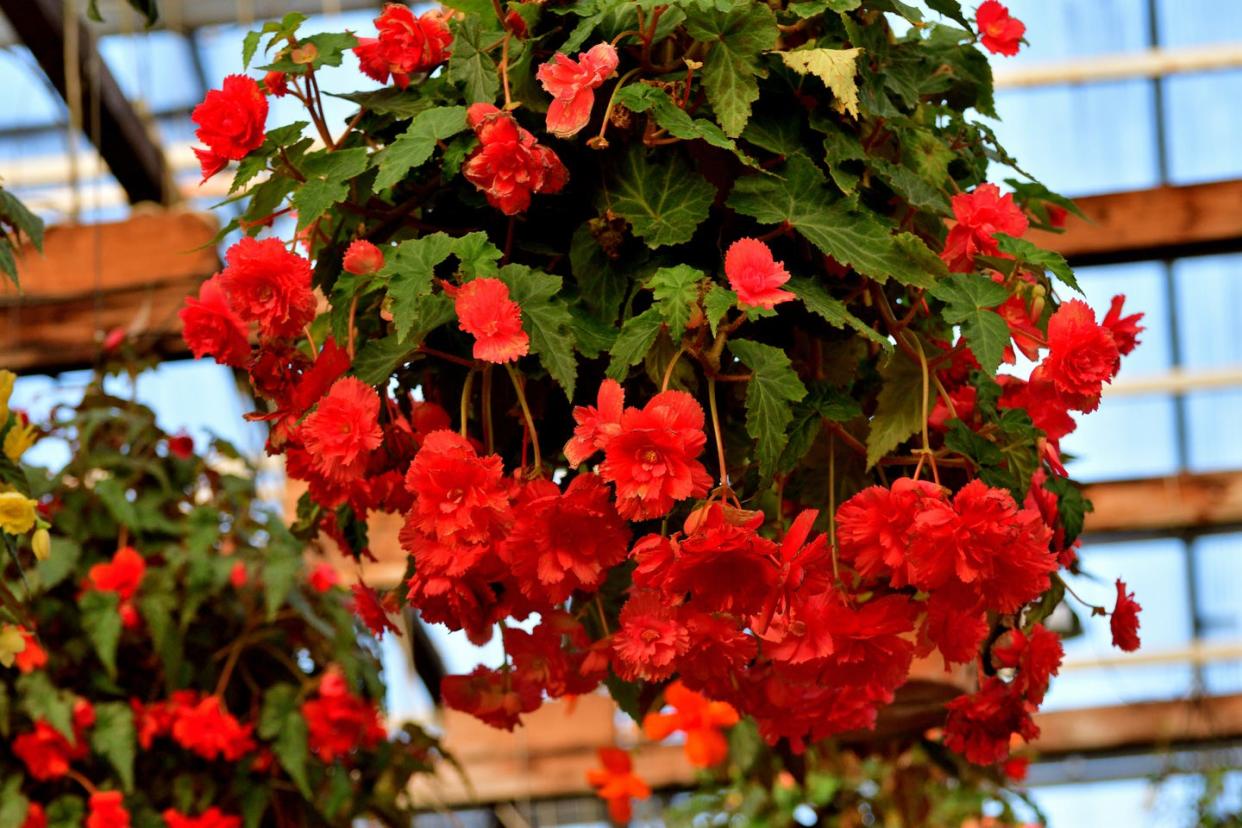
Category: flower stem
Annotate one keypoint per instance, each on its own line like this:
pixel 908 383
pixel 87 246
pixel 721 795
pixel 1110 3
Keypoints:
pixel 466 388
pixel 926 450
pixel 720 450
pixel 832 501
pixel 530 419
pixel 488 433
pixel 672 363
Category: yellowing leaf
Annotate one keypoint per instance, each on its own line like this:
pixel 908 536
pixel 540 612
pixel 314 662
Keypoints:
pixel 835 67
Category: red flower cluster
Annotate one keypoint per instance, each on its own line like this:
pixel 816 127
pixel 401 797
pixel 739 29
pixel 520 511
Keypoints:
pixel 267 284
pixel 485 311
pixel 406 45
pixel 45 750
pixel 107 810
pixel 754 275
pixel 343 430
pixel 1124 620
pixel 199 724
pixel 33 657
pixel 122 575
pixel 212 328
pixel 509 164
pixel 1000 33
pixel 213 817
pixel 572 84
pixel 699 718
pixel 338 722
pixel 617 784
pixel 980 215
pixel 230 122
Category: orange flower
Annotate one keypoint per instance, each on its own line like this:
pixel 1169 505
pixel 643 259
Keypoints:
pixel 616 783
pixel 700 718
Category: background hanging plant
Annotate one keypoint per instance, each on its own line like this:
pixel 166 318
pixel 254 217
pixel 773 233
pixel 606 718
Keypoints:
pixel 171 661
pixel 755 299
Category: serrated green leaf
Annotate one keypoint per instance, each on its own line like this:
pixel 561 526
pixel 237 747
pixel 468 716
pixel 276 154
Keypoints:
pixel 641 97
pixel 40 699
pixel 281 568
pixel 250 45
pixel 409 269
pixel 66 812
pixel 14 213
pixel 907 184
pixel 851 234
pixel 832 310
pixel 470 66
pixel 664 201
pixel 814 8
pixel 281 722
pixel 732 66
pixel 414 146
pixel 968 298
pixel 327 182
pixel 676 289
pixel 60 564
pixel 840 149
pixel 718 301
pixel 603 282
pixel 899 410
pixel 13 805
pixel 637 336
pixel 835 67
pixel 964 440
pixel 773 388
pixel 1032 254
pixel 101 620
pixel 113 738
pixel 546 318
pixel 157 607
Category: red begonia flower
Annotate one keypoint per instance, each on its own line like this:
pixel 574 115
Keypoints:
pixel 725 565
pixel 34 657
pixel 653 457
pixel 44 750
pixel 211 327
pixel 339 722
pixel 367 606
pixel 700 718
pixel 343 430
pixel 485 311
pixel 491 696
pixel 873 527
pixel 36 817
pixel 1125 329
pixel 1035 658
pixel 1082 354
pixel 406 45
pixel 363 258
pixel 572 84
pixel 458 494
pixel 205 727
pixel 230 122
pixel 980 215
pixel 122 575
pixel 276 83
pixel 596 424
pixel 509 164
pixel 323 577
pixel 754 275
pixel 617 784
pixel 980 725
pixel 1124 620
pixel 213 817
pixel 268 284
pixel 106 809
pixel 650 639
pixel 1000 33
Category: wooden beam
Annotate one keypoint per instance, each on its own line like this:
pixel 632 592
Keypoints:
pixel 90 279
pixel 1152 224
pixel 1140 726
pixel 123 140
pixel 1184 501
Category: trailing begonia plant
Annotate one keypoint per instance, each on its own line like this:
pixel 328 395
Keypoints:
pixel 166 658
pixel 685 326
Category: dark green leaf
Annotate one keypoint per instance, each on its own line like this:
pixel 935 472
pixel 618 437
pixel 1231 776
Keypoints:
pixel 1032 254
pixel 101 619
pixel 66 812
pixel 637 336
pixel 603 282
pixel 968 298
pixel 380 357
pixel 545 317
pixel 281 722
pixel 476 255
pixel 39 699
pixel 327 182
pixel 60 564
pixel 718 301
pixel 899 411
pixel 281 568
pixel 773 388
pixel 469 66
pixel 664 201
pixel 414 146
pixel 410 270
pixel 16 214
pixel 113 738
pixel 641 97
pixel 732 67
pixel 821 303
pixel 951 9
pixel 676 291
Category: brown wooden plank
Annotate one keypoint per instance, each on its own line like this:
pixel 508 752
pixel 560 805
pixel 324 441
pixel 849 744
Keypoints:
pixel 90 279
pixel 1158 223
pixel 1182 501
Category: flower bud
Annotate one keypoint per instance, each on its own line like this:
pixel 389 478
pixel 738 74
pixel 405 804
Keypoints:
pixel 41 544
pixel 363 258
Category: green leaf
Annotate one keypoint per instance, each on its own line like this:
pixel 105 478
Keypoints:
pixel 470 67
pixel 16 214
pixel 13 805
pixel 380 357
pixel 676 290
pixel 966 441
pixel 814 8
pixel 851 234
pixel 327 182
pixel 603 282
pixel 718 301
pixel 414 146
pixel 157 608
pixel 899 411
pixel 835 67
pixel 41 700
pixel 968 298
pixel 281 568
pixel 732 67
pixel 1072 506
pixel 112 493
pixel 281 722
pixel 410 271
pixel 641 97
pixel 545 317
pixel 66 812
pixel 951 9
pixel 250 45
pixel 1032 254
pixel 476 255
pixel 637 336
pixel 773 387
pixel 664 201
pixel 101 619
pixel 113 738
pixel 60 564
pixel 832 310
pixel 907 184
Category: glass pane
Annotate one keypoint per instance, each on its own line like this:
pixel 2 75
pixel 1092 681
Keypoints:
pixel 156 68
pixel 1155 571
pixel 1085 139
pixel 1209 303
pixel 26 97
pixel 1214 442
pixel 1127 437
pixel 1123 802
pixel 1201 133
pixel 1192 22
pixel 1072 28
pixel 1143 285
pixel 1218 562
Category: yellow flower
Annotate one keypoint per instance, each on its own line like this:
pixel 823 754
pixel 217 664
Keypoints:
pixel 12 643
pixel 19 438
pixel 17 513
pixel 41 544
pixel 7 378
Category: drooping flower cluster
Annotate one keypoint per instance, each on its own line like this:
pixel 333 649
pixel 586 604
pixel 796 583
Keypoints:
pixel 572 84
pixel 509 165
pixel 406 45
pixel 231 122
